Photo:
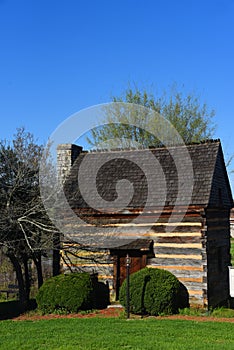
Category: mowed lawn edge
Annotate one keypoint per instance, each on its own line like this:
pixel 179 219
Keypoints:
pixel 114 333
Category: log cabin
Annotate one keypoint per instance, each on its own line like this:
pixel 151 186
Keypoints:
pixel 179 222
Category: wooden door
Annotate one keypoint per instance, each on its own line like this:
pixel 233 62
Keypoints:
pixel 137 263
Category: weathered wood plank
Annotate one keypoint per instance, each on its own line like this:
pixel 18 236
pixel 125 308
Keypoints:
pixel 196 234
pixel 191 279
pixel 169 260
pixel 155 225
pixel 110 277
pixel 179 268
pixel 186 273
pixel 195 292
pixel 179 256
pixel 178 239
pixel 177 251
pixel 178 245
pixel 215 235
pixel 91 264
pixel 195 285
pixel 212 243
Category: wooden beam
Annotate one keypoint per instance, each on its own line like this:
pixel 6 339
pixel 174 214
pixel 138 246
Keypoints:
pixel 191 279
pixel 178 267
pixel 179 256
pixel 179 245
pixel 195 292
pixel 173 234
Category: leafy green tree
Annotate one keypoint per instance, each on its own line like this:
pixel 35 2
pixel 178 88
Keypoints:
pixel 134 127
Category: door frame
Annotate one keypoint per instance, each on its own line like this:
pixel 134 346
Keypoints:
pixel 140 253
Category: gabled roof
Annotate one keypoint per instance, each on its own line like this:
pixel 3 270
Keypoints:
pixel 169 173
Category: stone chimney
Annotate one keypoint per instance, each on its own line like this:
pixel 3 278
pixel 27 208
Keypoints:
pixel 66 156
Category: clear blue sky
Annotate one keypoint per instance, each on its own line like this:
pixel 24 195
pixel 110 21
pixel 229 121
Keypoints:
pixel 60 56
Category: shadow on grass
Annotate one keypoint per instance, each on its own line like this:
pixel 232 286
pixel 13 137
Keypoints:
pixel 13 308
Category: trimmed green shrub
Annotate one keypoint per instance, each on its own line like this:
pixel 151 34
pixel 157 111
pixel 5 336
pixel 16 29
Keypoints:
pixel 72 293
pixel 153 292
pixel 66 293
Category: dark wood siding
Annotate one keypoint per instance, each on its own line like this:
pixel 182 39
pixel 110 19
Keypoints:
pixel 218 255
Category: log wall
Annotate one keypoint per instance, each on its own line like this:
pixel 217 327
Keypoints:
pixel 196 250
pixel 183 253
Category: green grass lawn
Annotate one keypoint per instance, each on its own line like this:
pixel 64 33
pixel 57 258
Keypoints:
pixel 106 333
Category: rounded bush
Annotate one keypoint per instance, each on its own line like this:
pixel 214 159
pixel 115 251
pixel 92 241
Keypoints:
pixel 66 293
pixel 152 292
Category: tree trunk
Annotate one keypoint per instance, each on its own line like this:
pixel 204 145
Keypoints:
pixel 37 262
pixel 56 254
pixel 27 278
pixel 20 279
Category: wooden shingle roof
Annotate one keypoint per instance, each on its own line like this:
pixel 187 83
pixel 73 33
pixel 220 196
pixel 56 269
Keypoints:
pixel 170 175
pixel 145 245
